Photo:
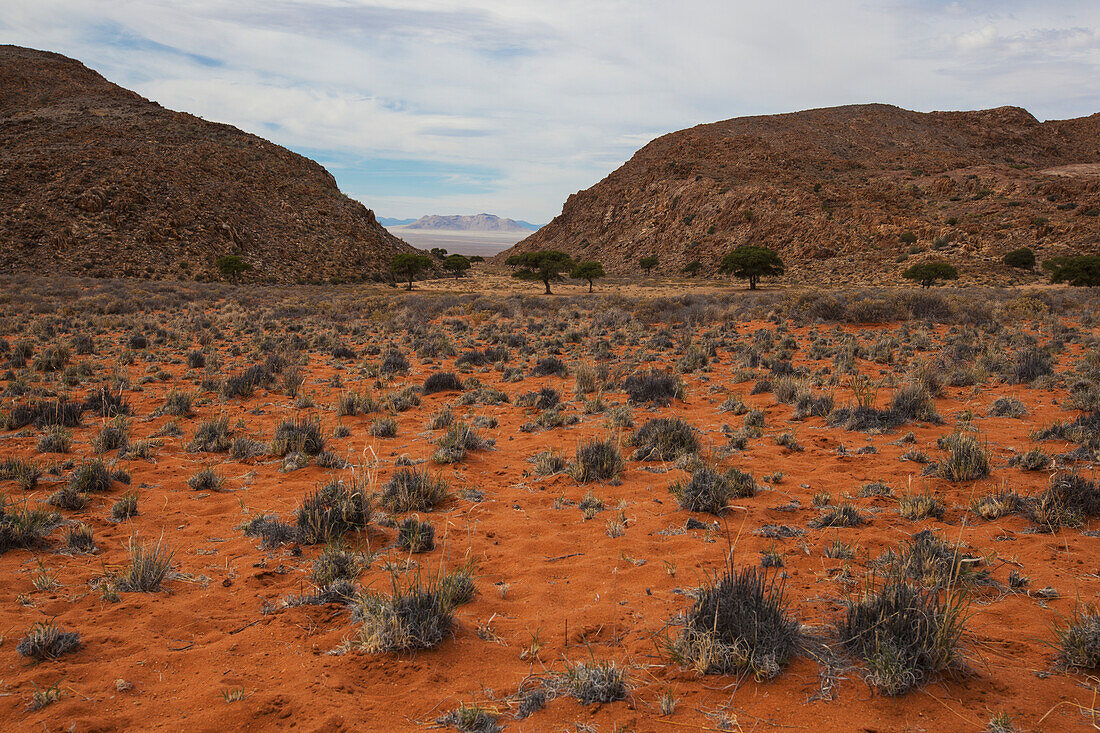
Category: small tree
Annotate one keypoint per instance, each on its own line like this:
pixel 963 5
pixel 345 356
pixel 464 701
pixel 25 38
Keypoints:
pixel 648 263
pixel 1082 271
pixel 231 267
pixel 751 263
pixel 456 264
pixel 408 265
pixel 543 266
pixel 1022 258
pixel 589 271
pixel 927 273
pixel 438 252
pixel 692 268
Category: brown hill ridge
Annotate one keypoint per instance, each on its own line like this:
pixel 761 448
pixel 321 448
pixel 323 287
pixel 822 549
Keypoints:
pixel 835 191
pixel 97 180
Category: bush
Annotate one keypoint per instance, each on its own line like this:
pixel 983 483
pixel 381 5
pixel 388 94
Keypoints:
pixel 904 635
pixel 711 490
pixel 331 511
pixel 90 477
pixel 664 439
pixel 454 444
pixel 1022 258
pixel 206 479
pixel 411 490
pixel 383 427
pixel 103 402
pixel 927 273
pixel 550 365
pixel 125 507
pixel 24 527
pixel 45 640
pixel 441 382
pixel 596 460
pixel 1082 271
pixel 1066 501
pixel 1029 365
pixel 1007 407
pixel 653 386
pixel 738 623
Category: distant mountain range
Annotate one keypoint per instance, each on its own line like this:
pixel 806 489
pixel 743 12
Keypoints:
pixel 475 223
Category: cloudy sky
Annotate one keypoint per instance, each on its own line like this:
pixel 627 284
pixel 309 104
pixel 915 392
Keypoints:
pixel 508 106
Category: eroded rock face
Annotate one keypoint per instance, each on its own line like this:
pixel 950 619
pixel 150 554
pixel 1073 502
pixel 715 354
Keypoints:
pixel 835 192
pixel 96 180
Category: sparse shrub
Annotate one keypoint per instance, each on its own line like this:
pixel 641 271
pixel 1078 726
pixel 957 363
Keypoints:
pixel 918 506
pixel 24 527
pixel 1007 407
pixel 113 436
pixel 459 438
pixel 270 530
pixel 997 504
pixel 548 463
pixel 103 402
pixel 336 564
pixel 470 719
pixel 1029 365
pixel 844 515
pixel 55 439
pixel 550 366
pixel 25 473
pixel 178 404
pixel 90 477
pixel 738 623
pixel 394 362
pixel 413 490
pixel 79 539
pixel 711 489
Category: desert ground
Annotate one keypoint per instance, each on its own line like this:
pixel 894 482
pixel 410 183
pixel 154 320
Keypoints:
pixel 665 506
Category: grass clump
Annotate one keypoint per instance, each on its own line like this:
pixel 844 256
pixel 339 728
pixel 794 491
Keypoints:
pixel 332 510
pixel 413 490
pixel 441 382
pixel 915 507
pixel 46 640
pixel 1066 501
pixel 596 460
pixel 1079 640
pixel 470 719
pixel 417 614
pixel 843 515
pixel 24 473
pixel 596 682
pixel 966 459
pixel 300 435
pixel 653 386
pixel 149 566
pixel 711 489
pixel 24 527
pixel 664 439
pixel 460 438
pixel 90 477
pixel 904 634
pixel 738 623
pixel 415 536
pixel 206 479
pixel 212 436
pixel 125 507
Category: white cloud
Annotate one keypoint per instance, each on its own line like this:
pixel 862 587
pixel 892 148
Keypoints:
pixel 546 97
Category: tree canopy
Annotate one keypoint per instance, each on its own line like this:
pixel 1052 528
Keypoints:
pixel 543 266
pixel 648 263
pixel 589 270
pixel 1082 271
pixel 927 273
pixel 408 265
pixel 692 268
pixel 231 266
pixel 752 263
pixel 457 264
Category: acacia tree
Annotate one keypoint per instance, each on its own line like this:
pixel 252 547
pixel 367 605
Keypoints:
pixel 1022 258
pixel 543 266
pixel 1082 271
pixel 927 273
pixel 589 271
pixel 457 264
pixel 231 267
pixel 751 263
pixel 408 265
pixel 692 268
pixel 648 263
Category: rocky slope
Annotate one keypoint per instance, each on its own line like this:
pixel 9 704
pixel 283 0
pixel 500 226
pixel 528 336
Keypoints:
pixel 841 193
pixel 475 223
pixel 96 180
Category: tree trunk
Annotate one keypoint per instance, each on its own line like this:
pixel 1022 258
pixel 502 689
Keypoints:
pixel 752 282
pixel 410 287
pixel 547 281
pixel 590 286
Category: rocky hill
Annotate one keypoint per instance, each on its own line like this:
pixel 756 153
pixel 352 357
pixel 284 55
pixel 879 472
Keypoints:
pixel 96 180
pixel 475 223
pixel 846 195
